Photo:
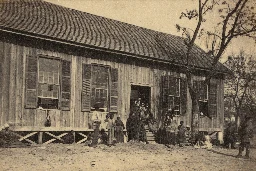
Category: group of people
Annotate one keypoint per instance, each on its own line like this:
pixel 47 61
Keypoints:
pixel 244 135
pixel 230 135
pixel 114 127
pixel 174 133
pixel 139 120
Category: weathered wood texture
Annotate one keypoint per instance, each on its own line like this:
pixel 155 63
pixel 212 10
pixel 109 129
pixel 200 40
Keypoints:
pixel 12 89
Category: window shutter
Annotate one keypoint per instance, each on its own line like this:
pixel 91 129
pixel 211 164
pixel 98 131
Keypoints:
pixel 31 82
pixel 86 88
pixel 196 86
pixel 177 104
pixel 172 86
pixel 114 90
pixel 200 89
pixel 212 104
pixel 65 85
pixel 183 96
pixel 164 91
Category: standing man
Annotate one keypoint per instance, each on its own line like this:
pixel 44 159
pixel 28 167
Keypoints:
pixel 96 125
pixel 181 133
pixel 111 128
pixel 246 134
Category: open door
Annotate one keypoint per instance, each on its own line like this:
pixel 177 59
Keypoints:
pixel 142 92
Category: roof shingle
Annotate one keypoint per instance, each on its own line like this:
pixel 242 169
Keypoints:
pixel 53 21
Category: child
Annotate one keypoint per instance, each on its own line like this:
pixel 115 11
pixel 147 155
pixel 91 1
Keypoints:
pixel 188 135
pixel 103 137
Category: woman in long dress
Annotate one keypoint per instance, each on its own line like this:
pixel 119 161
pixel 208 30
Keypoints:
pixel 119 134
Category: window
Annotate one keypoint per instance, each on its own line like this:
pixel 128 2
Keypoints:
pixel 99 88
pixel 207 97
pixel 47 83
pixel 202 90
pixel 174 94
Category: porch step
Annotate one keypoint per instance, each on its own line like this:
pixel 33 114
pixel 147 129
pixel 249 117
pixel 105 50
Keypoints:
pixel 150 137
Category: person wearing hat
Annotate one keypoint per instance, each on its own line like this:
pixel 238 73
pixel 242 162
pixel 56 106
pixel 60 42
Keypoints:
pixel 245 133
pixel 119 127
pixel 111 128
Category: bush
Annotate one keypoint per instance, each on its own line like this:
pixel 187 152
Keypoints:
pixel 7 138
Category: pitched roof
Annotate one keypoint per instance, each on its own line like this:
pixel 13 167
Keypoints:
pixel 47 20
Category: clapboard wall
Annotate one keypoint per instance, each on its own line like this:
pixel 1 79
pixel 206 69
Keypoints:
pixel 13 56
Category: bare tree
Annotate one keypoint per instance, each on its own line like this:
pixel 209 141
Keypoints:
pixel 237 18
pixel 240 87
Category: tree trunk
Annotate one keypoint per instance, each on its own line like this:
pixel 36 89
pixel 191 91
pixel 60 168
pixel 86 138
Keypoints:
pixel 237 117
pixel 195 108
pixel 195 115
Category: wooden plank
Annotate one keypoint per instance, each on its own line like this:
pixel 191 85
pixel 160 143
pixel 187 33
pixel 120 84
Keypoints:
pixel 58 118
pixel 61 119
pixel 73 90
pixel 19 84
pixel 29 117
pixel 48 129
pixel 40 137
pixel 41 117
pixel 25 51
pixel 65 119
pixel 27 136
pixel 32 112
pixel 55 137
pixel 221 103
pixel 6 81
pixel 82 140
pixel 12 87
pixel 78 87
pixel 1 81
pixel 21 137
pixel 123 91
pixel 85 115
pixel 52 114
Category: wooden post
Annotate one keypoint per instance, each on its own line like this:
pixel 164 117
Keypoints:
pixel 40 138
pixel 74 136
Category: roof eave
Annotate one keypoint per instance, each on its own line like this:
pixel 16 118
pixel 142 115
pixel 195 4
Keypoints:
pixel 90 47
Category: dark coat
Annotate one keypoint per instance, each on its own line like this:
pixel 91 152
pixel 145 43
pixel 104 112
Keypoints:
pixel 246 131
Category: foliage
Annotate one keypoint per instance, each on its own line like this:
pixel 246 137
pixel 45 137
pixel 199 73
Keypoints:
pixel 235 18
pixel 7 138
pixel 240 87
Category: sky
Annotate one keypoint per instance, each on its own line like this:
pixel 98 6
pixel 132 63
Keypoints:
pixel 159 15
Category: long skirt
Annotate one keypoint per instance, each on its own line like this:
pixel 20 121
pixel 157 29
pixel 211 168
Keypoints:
pixel 119 134
pixel 95 134
pixel 172 138
pixel 111 135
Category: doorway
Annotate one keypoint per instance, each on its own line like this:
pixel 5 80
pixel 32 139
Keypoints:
pixel 143 92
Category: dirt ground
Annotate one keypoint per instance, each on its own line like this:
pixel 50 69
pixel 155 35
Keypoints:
pixel 128 156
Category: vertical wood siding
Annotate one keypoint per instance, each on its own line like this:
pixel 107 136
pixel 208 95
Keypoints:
pixel 1 81
pixel 12 89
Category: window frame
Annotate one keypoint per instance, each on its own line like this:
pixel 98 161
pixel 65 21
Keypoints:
pixel 171 93
pixel 95 90
pixel 59 81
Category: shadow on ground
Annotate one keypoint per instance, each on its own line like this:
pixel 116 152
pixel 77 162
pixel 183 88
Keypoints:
pixel 221 153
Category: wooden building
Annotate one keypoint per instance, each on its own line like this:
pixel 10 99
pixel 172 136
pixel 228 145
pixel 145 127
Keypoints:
pixel 58 63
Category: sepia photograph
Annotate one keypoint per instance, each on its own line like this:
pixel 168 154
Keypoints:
pixel 122 85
